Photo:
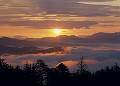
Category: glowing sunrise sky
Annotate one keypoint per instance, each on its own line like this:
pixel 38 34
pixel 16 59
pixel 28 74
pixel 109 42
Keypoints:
pixel 39 18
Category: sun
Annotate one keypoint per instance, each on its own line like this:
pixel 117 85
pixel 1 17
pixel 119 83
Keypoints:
pixel 57 31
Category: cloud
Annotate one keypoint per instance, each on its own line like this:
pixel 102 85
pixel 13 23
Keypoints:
pixel 95 0
pixel 35 7
pixel 72 7
pixel 95 58
pixel 66 14
pixel 51 24
pixel 30 50
pixel 27 61
pixel 108 2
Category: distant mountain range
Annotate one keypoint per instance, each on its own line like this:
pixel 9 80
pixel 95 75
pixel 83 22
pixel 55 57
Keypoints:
pixel 34 45
pixel 62 40
pixel 95 38
pixel 13 42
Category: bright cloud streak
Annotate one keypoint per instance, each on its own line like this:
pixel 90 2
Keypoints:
pixel 111 3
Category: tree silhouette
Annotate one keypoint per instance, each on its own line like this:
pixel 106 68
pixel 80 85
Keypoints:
pixel 63 74
pixel 29 79
pixel 62 68
pixel 38 74
pixel 3 65
pixel 82 75
pixel 82 66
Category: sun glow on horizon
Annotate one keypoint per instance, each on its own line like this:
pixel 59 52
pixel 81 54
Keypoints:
pixel 57 31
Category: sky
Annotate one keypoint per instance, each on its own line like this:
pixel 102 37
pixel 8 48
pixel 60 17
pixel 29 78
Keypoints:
pixel 39 18
pixel 45 24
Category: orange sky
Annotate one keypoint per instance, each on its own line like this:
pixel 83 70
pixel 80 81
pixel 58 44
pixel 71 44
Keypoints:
pixel 39 18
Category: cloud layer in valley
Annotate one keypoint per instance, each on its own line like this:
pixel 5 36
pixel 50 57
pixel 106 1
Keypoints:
pixel 97 55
